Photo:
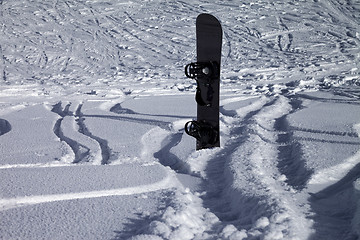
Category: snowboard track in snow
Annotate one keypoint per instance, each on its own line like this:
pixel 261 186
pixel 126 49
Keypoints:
pixel 105 149
pixel 290 162
pixel 74 145
pixel 218 192
pixel 81 151
pixel 169 159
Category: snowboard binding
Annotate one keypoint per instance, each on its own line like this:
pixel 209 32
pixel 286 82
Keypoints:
pixel 203 73
pixel 206 70
pixel 204 132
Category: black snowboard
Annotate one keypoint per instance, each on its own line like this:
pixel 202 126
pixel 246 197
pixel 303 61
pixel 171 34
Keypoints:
pixel 206 72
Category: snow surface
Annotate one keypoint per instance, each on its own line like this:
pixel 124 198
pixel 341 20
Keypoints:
pixel 93 102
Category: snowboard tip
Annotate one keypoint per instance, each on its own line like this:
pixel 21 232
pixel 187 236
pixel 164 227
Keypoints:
pixel 206 18
pixel 206 15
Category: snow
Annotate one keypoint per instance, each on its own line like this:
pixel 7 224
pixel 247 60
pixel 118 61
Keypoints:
pixel 93 102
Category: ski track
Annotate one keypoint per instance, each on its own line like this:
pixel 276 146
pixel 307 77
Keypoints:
pixel 105 150
pixel 65 129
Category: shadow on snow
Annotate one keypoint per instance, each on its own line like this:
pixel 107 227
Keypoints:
pixel 335 207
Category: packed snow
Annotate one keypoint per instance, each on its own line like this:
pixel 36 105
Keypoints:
pixel 93 102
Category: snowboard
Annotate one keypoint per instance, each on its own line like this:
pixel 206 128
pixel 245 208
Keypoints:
pixel 206 72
